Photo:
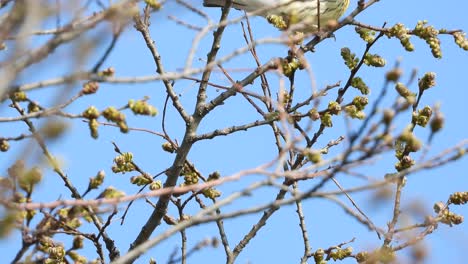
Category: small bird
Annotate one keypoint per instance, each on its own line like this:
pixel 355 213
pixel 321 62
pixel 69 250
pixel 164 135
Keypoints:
pixel 302 13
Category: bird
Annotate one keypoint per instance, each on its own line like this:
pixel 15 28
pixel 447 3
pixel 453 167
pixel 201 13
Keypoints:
pixel 301 15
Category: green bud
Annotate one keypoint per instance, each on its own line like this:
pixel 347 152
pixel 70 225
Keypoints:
pixel 313 156
pixel 56 252
pixel 168 147
pixel 437 122
pixel 91 113
pixel 458 198
pixel 362 256
pixel 19 96
pixel 360 102
pixel 154 4
pixel 33 107
pixel 95 182
pixel 374 60
pixel 313 114
pixel 366 34
pixel 290 66
pixel 111 192
pixel 141 107
pixel 358 83
pixel 422 117
pixel 349 58
pixel 28 180
pixel 190 178
pixel 211 193
pixel 430 35
pixel 394 75
pixel 114 115
pixel 318 255
pixel 4 145
pixel 277 21
pixel 123 163
pixel 141 180
pixel 77 258
pixel 401 32
pixel 123 126
pixel 90 87
pixel 326 120
pixel 427 81
pixel 402 90
pixel 388 116
pixel 214 176
pixel 353 112
pixel 460 40
pixel 155 185
pixel 93 127
pixel 334 108
pixel 404 163
pixel 54 129
pixel 78 242
pixel 109 72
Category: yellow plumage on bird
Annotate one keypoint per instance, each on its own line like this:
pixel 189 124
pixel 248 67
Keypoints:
pixel 303 13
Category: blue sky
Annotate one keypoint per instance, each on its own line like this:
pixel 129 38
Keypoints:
pixel 280 240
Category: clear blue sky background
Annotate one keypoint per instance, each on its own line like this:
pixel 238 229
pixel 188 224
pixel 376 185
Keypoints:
pixel 280 241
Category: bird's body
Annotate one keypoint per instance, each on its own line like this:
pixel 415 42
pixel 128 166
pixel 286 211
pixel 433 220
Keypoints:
pixel 297 11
